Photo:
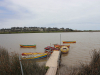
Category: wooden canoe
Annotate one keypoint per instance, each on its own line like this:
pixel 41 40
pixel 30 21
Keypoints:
pixel 69 42
pixel 27 46
pixel 33 55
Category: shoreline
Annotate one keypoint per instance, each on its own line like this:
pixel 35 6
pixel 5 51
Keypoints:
pixel 44 32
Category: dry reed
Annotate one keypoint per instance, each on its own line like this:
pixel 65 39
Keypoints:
pixel 93 68
pixel 9 65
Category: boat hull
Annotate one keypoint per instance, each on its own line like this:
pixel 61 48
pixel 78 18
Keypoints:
pixel 59 46
pixel 64 49
pixel 69 42
pixel 27 46
pixel 33 55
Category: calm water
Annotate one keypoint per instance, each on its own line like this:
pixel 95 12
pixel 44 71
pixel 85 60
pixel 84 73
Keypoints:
pixel 79 52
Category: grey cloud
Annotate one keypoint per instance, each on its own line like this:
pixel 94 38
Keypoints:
pixel 67 13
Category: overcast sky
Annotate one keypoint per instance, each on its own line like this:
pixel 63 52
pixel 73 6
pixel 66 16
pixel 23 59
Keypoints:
pixel 74 14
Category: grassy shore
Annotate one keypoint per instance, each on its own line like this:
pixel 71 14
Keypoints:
pixel 35 32
pixel 43 32
pixel 9 65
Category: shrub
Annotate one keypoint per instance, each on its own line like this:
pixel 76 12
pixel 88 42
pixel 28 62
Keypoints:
pixel 9 65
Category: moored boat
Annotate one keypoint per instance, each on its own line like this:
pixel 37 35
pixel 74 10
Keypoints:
pixel 56 47
pixel 69 42
pixel 28 46
pixel 64 49
pixel 33 55
pixel 49 49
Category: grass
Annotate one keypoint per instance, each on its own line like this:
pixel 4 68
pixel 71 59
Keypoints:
pixel 9 65
pixel 93 68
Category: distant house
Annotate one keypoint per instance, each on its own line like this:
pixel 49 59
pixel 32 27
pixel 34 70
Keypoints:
pixel 16 29
pixel 2 30
pixel 40 29
pixel 61 29
pixel 5 30
pixel 44 28
pixel 56 29
pixel 28 29
pixel 67 29
pixel 49 29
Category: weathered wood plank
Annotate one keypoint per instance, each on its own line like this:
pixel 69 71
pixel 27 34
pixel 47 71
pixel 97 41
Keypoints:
pixel 51 71
pixel 53 63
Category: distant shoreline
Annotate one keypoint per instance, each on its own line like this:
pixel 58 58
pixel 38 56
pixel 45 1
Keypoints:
pixel 44 32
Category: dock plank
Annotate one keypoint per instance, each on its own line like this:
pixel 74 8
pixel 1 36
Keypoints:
pixel 51 71
pixel 53 63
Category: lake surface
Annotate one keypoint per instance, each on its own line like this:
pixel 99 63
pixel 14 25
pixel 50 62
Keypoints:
pixel 86 42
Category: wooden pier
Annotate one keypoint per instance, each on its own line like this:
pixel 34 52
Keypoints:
pixel 53 63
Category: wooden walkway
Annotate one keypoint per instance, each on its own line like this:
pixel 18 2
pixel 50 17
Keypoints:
pixel 53 63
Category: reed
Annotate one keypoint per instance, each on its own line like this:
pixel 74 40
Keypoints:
pixel 93 68
pixel 9 65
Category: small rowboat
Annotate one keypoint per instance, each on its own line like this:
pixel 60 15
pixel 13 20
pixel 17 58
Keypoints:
pixel 56 47
pixel 69 42
pixel 33 55
pixel 64 49
pixel 27 46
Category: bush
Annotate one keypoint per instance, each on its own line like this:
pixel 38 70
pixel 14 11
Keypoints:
pixel 9 65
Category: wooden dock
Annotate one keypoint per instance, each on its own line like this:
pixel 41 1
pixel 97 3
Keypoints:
pixel 53 63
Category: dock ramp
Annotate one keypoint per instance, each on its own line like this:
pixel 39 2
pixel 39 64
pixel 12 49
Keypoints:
pixel 53 63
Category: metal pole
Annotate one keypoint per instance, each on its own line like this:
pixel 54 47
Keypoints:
pixel 60 39
pixel 60 42
pixel 21 65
